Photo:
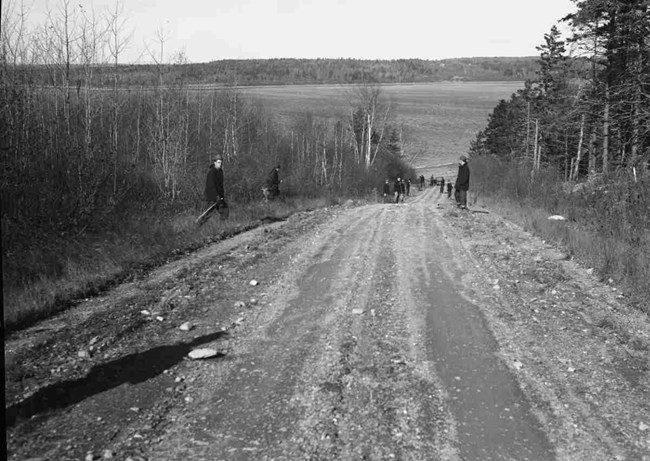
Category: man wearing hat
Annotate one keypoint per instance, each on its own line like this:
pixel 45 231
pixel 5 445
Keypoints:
pixel 462 183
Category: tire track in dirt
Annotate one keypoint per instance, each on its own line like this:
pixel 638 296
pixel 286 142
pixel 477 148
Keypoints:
pixel 544 317
pixel 493 418
pixel 380 404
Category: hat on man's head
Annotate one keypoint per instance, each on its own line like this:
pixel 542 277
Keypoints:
pixel 463 158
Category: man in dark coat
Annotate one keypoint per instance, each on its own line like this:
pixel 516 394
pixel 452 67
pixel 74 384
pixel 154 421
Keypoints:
pixel 397 189
pixel 214 191
pixel 442 185
pixel 462 182
pixel 449 188
pixel 386 190
pixel 274 181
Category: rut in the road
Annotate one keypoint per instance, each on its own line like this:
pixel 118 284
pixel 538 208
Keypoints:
pixel 493 418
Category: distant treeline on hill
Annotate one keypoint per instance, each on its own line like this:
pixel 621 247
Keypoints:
pixel 314 71
pixel 303 71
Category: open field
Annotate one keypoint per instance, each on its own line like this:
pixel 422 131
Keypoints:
pixel 439 119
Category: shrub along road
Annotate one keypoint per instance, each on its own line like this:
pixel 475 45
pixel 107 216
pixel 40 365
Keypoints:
pixel 382 331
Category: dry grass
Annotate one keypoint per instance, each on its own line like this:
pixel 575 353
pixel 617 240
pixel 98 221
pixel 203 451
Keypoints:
pixel 605 230
pixel 62 272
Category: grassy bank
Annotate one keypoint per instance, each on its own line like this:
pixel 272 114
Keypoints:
pixel 48 273
pixel 607 223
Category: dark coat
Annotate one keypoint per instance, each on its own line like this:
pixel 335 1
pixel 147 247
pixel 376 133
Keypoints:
pixel 462 180
pixel 397 187
pixel 274 178
pixel 214 184
pixel 386 188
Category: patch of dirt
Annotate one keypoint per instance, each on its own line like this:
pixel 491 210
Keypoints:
pixel 105 374
pixel 332 354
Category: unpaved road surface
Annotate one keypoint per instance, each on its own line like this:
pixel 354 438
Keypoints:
pixel 410 331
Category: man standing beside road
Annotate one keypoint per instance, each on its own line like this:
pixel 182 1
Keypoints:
pixel 274 182
pixel 214 191
pixel 462 182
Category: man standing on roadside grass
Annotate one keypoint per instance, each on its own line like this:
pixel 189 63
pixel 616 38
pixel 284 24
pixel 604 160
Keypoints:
pixel 462 182
pixel 274 182
pixel 214 190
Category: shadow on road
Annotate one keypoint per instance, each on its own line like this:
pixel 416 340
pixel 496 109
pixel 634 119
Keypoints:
pixel 133 368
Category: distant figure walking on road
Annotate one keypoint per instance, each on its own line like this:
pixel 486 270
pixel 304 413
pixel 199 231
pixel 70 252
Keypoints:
pixel 408 187
pixel 442 185
pixel 386 191
pixel 449 188
pixel 397 189
pixel 462 182
pixel 422 180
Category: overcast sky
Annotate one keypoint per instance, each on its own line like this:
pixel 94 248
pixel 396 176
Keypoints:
pixel 365 29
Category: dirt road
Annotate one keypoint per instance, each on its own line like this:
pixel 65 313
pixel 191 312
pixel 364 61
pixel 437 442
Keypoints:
pixel 383 331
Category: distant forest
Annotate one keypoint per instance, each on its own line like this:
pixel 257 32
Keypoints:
pixel 307 71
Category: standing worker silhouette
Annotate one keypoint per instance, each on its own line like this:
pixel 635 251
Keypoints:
pixel 386 190
pixel 274 182
pixel 462 182
pixel 214 192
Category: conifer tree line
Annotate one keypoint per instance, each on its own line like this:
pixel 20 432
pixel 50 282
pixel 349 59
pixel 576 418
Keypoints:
pixel 585 123
pixel 73 151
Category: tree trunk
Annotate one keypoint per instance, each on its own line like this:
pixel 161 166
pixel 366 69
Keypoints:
pixel 592 152
pixel 606 132
pixel 527 129
pixel 634 139
pixel 578 157
pixel 535 151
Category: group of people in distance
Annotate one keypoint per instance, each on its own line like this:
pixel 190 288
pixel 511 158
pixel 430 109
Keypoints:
pixel 401 187
pixel 215 191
